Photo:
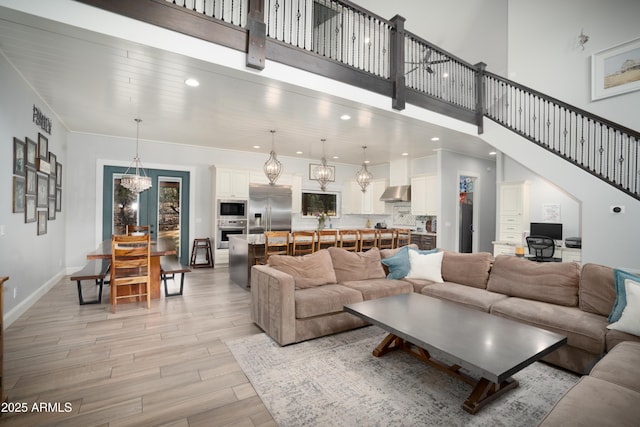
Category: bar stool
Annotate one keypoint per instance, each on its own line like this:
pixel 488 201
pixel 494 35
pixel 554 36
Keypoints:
pixel 385 239
pixel 349 240
pixel 303 242
pixel 275 243
pixel 326 239
pixel 368 239
pixel 402 236
pixel 203 244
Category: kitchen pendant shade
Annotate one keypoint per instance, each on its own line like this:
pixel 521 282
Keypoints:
pixel 272 167
pixel 138 182
pixel 324 174
pixel 363 176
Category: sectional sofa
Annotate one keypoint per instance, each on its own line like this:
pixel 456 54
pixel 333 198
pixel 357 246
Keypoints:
pixel 299 298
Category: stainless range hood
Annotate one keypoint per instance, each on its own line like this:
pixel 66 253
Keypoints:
pixel 396 193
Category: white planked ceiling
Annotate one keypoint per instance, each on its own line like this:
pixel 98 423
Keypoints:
pixel 98 84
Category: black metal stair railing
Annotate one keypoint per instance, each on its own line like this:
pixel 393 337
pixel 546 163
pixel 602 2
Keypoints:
pixel 601 147
pixel 232 11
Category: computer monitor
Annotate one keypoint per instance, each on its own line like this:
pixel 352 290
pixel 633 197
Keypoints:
pixel 548 229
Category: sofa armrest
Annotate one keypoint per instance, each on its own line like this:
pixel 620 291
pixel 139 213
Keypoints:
pixel 273 303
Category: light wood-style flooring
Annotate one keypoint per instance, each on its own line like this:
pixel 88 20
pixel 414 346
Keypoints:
pixel 167 366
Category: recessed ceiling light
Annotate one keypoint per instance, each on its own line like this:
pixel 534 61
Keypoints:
pixel 492 153
pixel 298 152
pixel 345 117
pixel 405 154
pixel 367 161
pixel 256 146
pixel 335 157
pixel 192 82
pixel 435 138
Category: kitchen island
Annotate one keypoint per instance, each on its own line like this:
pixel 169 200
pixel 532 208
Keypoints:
pixel 243 251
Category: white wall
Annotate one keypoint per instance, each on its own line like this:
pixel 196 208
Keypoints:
pixel 544 52
pixel 33 263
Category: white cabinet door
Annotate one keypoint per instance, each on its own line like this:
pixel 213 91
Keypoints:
pixel 232 183
pixel 432 196
pixel 376 188
pixel 296 194
pixel 511 199
pixel 352 198
pixel 418 195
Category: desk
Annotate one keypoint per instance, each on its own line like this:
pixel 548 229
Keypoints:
pixel 158 248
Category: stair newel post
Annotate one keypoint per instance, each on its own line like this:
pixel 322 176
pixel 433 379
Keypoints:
pixel 396 62
pixel 480 94
pixel 257 35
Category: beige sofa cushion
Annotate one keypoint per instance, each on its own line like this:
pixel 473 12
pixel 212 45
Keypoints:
pixel 308 271
pixel 597 289
pixel 620 366
pixel 472 297
pixel 379 288
pixel 553 282
pixel 467 269
pixel 350 266
pixel 321 300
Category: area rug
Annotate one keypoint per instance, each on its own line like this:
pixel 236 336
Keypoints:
pixel 336 381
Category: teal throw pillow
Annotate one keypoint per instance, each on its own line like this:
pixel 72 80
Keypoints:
pixel 621 295
pixel 399 265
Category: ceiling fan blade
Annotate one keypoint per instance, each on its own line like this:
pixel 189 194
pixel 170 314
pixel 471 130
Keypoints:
pixel 412 70
pixel 438 61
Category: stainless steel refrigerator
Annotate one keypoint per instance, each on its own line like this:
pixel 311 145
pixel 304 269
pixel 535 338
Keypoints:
pixel 269 208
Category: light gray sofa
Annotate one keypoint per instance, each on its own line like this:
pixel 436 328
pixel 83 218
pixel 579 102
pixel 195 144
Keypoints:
pixel 608 396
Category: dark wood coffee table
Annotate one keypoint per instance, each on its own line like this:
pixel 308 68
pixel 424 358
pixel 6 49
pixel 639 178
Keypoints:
pixel 490 347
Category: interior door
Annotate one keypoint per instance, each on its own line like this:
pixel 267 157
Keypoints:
pixel 164 207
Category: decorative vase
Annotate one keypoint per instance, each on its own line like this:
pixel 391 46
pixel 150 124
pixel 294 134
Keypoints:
pixel 320 224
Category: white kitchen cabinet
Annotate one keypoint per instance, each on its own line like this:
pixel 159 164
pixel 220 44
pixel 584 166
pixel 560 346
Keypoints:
pixel 231 183
pixel 513 212
pixel 357 202
pixel 296 194
pixel 425 195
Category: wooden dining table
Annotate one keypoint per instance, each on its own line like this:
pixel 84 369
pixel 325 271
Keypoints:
pixel 158 248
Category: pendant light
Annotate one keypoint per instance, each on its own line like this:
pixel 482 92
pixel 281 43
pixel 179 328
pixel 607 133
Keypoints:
pixel 323 173
pixel 272 167
pixel 139 181
pixel 363 176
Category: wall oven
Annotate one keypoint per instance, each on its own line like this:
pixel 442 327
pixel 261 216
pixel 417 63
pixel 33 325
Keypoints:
pixel 232 209
pixel 228 227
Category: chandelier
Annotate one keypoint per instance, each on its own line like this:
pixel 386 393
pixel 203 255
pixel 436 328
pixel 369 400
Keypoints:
pixel 363 176
pixel 272 167
pixel 140 181
pixel 323 173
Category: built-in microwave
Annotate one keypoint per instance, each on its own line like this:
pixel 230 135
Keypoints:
pixel 232 209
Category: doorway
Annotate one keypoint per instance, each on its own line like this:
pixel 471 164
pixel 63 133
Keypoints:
pixel 164 207
pixel 466 217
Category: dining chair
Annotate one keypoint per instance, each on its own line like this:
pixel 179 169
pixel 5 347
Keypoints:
pixel 130 266
pixel 275 243
pixel 368 239
pixel 326 239
pixel 349 240
pixel 303 242
pixel 130 229
pixel 385 239
pixel 402 236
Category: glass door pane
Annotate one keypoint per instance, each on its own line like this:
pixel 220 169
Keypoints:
pixel 169 194
pixel 125 207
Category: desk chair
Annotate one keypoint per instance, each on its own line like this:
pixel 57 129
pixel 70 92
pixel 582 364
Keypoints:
pixel 402 237
pixel 326 239
pixel 349 240
pixel 130 266
pixel 541 248
pixel 130 229
pixel 303 242
pixel 368 239
pixel 275 243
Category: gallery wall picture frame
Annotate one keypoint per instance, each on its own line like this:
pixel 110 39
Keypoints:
pixel 43 147
pixel 51 210
pixel 18 194
pixel 58 175
pixel 58 199
pixel 42 222
pixel 315 166
pixel 52 161
pixel 52 186
pixel 30 208
pixel 42 191
pixel 19 157
pixel 31 180
pixel 32 152
pixel 616 70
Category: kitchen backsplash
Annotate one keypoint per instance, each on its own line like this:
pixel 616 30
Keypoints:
pixel 402 216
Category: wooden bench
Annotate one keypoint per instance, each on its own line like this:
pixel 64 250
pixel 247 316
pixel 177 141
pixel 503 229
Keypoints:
pixel 170 265
pixel 97 270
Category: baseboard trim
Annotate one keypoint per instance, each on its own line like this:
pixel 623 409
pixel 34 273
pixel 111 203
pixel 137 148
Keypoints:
pixel 13 314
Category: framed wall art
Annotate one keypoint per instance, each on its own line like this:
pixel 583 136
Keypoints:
pixel 43 147
pixel 18 194
pixel 313 172
pixel 30 208
pixel 19 157
pixel 52 186
pixel 32 152
pixel 58 175
pixel 51 210
pixel 616 70
pixel 42 222
pixel 42 190
pixel 30 180
pixel 58 199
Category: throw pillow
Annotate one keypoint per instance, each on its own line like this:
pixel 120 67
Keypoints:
pixel 630 319
pixel 350 266
pixel 308 271
pixel 426 266
pixel 621 298
pixel 399 265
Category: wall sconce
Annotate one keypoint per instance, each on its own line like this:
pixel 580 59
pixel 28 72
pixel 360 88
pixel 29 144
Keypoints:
pixel 582 39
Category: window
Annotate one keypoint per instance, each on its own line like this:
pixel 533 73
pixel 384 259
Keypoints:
pixel 314 203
